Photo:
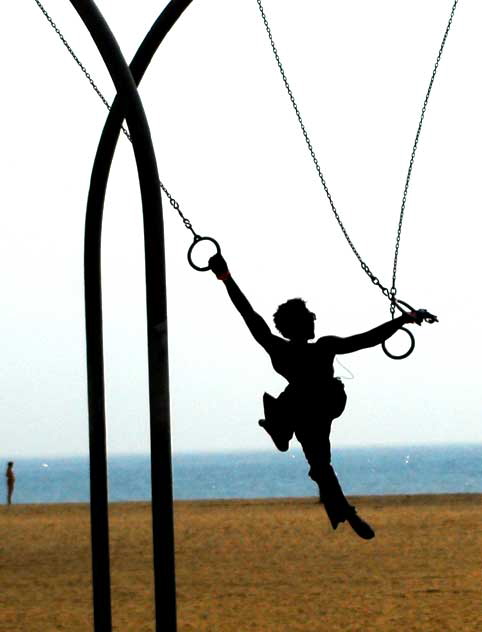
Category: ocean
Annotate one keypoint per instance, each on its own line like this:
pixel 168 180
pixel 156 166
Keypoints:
pixel 362 471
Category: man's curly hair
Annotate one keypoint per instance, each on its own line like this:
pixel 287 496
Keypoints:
pixel 287 316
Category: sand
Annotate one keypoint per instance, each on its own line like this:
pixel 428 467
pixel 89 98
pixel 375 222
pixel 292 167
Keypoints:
pixel 258 565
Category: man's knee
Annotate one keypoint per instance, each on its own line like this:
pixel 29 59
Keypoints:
pixel 320 472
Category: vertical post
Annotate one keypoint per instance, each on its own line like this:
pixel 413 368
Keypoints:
pixel 99 514
pixel 161 467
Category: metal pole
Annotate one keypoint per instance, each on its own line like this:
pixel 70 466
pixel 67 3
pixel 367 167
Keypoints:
pixel 157 321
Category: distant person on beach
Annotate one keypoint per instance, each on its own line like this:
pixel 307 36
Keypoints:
pixel 10 482
pixel 313 397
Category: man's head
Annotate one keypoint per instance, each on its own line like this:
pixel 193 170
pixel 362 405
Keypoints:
pixel 294 321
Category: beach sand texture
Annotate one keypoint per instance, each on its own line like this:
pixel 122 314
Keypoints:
pixel 255 565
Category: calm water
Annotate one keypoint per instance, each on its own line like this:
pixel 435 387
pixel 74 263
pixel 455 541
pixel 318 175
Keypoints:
pixel 409 470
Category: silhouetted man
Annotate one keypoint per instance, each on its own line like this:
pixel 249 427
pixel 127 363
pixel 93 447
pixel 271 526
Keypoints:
pixel 313 397
pixel 10 482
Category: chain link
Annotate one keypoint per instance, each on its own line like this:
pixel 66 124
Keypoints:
pixel 172 200
pixel 389 293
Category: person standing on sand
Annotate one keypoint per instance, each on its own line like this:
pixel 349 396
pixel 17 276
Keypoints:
pixel 10 482
pixel 313 397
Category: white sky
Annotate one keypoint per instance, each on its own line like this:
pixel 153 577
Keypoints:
pixel 230 150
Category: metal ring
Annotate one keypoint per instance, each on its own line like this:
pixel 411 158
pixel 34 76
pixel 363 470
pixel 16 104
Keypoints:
pixel 407 353
pixel 196 241
pixel 398 302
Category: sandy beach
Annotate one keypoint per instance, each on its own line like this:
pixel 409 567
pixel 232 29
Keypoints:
pixel 262 565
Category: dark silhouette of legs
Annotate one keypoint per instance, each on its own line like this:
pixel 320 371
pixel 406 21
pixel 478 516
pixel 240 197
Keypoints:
pixel 315 440
pixel 314 436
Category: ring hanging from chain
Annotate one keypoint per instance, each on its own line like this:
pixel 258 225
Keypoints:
pixel 172 201
pixel 389 293
pixel 198 240
pixel 404 355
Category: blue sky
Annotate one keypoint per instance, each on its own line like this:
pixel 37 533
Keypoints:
pixel 230 150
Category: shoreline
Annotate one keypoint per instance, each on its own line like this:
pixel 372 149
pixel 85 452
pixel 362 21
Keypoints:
pixel 361 471
pixel 389 499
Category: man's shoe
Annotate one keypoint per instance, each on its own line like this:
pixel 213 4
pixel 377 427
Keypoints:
pixel 281 443
pixel 360 527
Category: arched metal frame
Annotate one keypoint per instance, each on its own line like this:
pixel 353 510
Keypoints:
pixel 128 105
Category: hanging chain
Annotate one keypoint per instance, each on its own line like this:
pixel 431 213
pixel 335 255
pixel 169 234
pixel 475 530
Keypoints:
pixel 172 200
pixel 389 293
pixel 364 266
pixel 412 156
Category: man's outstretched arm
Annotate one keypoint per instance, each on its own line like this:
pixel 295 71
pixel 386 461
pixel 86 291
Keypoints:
pixel 256 324
pixel 370 338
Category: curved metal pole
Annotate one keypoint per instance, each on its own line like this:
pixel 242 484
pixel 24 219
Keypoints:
pixel 157 321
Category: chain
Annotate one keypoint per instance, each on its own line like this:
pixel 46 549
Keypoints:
pixel 412 156
pixel 172 200
pixel 74 56
pixel 364 266
pixel 389 293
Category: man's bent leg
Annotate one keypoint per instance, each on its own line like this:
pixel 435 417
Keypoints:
pixel 275 423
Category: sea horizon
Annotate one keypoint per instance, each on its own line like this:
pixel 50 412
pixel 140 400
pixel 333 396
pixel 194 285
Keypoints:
pixel 207 452
pixel 368 470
